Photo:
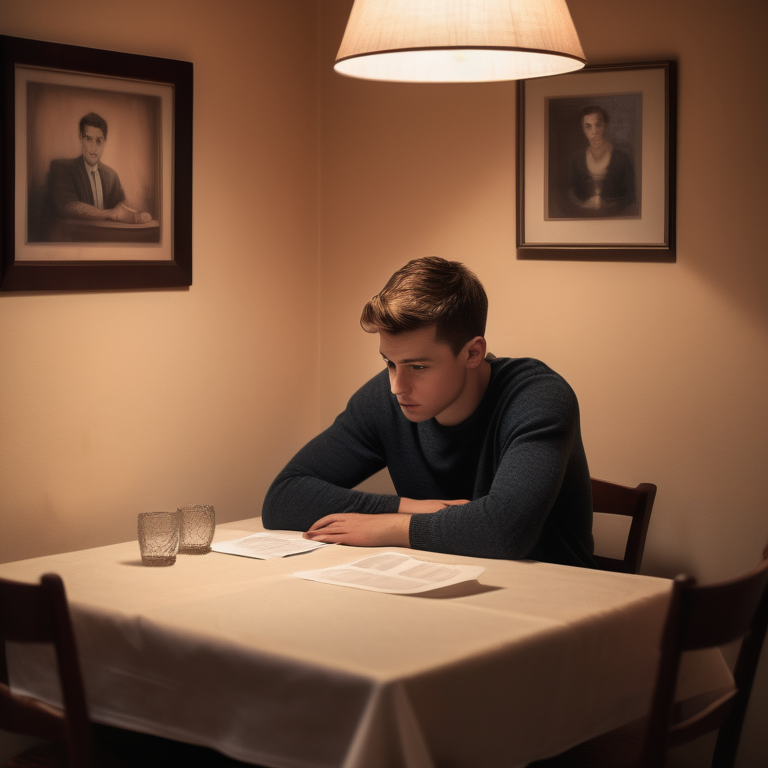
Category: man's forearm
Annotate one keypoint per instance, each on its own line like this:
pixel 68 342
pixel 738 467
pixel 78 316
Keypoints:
pixel 86 211
pixel 120 212
pixel 295 502
pixel 426 506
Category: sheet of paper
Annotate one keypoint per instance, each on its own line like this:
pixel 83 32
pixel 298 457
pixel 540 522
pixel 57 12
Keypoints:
pixel 394 573
pixel 266 545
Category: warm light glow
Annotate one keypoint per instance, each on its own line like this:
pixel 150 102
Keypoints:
pixel 449 41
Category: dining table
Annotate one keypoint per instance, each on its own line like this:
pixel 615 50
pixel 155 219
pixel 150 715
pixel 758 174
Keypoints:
pixel 240 655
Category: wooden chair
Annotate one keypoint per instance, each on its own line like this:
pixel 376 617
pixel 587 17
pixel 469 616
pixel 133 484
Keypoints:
pixel 699 617
pixel 32 613
pixel 38 613
pixel 636 503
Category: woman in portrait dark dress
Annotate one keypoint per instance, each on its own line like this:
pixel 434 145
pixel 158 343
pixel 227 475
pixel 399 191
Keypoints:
pixel 601 179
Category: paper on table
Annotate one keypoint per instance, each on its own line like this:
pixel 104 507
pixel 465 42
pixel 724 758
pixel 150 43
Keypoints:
pixel 266 545
pixel 394 573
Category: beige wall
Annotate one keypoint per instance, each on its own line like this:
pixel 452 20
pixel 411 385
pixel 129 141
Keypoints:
pixel 670 361
pixel 115 403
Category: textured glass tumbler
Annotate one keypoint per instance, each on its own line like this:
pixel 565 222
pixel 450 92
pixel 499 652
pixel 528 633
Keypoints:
pixel 197 522
pixel 158 537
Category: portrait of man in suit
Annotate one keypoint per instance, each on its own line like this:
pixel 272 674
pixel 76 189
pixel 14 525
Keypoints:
pixel 84 187
pixel 93 157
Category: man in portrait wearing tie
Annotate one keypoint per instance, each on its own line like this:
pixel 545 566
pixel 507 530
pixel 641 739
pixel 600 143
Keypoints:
pixel 84 187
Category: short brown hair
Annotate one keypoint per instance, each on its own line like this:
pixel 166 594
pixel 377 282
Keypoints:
pixel 95 121
pixel 430 291
pixel 595 110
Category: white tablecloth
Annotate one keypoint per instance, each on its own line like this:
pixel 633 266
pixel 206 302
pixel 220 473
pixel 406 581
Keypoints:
pixel 237 654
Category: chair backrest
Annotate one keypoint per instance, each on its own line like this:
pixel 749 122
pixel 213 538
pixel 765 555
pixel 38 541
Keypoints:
pixel 636 503
pixel 705 617
pixel 38 613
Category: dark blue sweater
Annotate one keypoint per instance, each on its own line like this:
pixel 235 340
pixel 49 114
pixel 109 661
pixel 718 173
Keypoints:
pixel 519 458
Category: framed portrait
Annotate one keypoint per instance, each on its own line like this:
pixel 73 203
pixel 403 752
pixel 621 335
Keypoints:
pixel 96 169
pixel 596 158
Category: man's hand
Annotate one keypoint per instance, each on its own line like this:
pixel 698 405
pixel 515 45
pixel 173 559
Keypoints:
pixel 357 530
pixel 425 506
pixel 121 212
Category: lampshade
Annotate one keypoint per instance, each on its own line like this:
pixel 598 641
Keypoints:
pixel 449 41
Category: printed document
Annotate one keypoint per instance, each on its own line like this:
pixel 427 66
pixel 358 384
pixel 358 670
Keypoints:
pixel 394 573
pixel 265 545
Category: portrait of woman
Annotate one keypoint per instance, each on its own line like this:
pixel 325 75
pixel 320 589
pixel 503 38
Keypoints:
pixel 601 178
pixel 593 157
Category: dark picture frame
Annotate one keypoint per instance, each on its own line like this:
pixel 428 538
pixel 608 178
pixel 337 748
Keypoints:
pixel 146 102
pixel 595 163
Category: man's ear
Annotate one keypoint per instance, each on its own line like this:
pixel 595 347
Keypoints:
pixel 475 349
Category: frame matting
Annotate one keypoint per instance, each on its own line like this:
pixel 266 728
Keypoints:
pixel 564 205
pixel 46 88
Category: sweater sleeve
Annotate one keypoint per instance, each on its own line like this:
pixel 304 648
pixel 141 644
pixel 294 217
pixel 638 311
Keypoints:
pixel 320 478
pixel 535 438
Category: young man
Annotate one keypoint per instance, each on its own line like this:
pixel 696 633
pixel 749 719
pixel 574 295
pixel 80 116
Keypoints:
pixel 485 453
pixel 83 187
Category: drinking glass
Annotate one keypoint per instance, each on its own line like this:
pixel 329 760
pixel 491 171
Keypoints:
pixel 197 524
pixel 159 537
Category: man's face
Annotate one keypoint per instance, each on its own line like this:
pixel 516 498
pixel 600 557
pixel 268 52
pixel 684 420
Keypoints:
pixel 428 380
pixel 594 128
pixel 92 144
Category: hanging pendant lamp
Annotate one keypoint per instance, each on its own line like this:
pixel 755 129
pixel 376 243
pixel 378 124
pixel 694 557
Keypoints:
pixel 459 41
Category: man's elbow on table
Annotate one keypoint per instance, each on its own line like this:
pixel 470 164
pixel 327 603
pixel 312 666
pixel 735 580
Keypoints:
pixel 275 511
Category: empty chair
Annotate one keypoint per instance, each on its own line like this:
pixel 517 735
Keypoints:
pixel 699 617
pixel 31 613
pixel 38 613
pixel 637 503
